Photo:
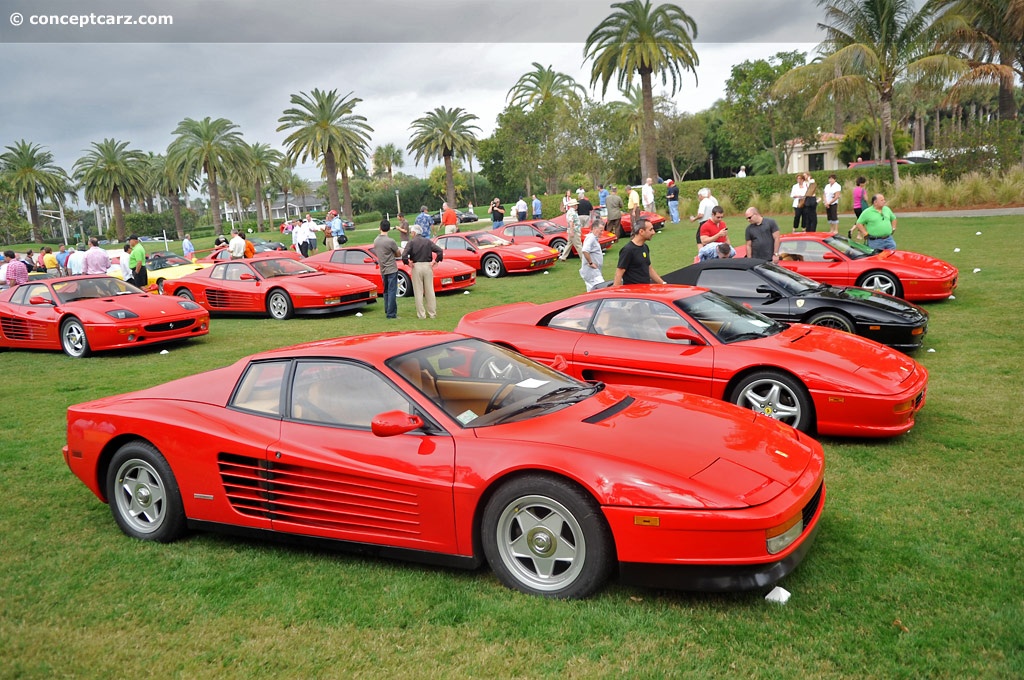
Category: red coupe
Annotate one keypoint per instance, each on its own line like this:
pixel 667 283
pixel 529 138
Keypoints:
pixel 448 450
pixel 83 314
pixel 627 221
pixel 549 234
pixel 360 261
pixel 277 285
pixel 694 340
pixel 835 260
pixel 492 255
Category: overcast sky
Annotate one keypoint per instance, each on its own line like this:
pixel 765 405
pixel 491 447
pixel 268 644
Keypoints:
pixel 64 87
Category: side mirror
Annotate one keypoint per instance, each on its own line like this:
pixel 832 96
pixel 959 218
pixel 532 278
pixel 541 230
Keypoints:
pixel 390 423
pixel 559 363
pixel 830 257
pixel 471 249
pixel 246 277
pixel 767 291
pixel 368 260
pixel 684 333
pixel 39 300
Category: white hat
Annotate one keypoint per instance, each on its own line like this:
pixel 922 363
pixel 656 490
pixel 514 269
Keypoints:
pixel 572 202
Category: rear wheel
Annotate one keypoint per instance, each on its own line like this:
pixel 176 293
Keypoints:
pixel 546 536
pixel 143 495
pixel 73 339
pixel 160 286
pixel 883 282
pixel 492 266
pixel 404 288
pixel 832 320
pixel 279 305
pixel 558 244
pixel 777 396
pixel 185 293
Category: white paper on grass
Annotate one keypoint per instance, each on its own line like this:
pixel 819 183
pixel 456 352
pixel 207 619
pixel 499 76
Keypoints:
pixel 956 250
pixel 163 351
pixel 977 233
pixel 359 313
pixel 976 270
pixel 931 349
pixel 777 594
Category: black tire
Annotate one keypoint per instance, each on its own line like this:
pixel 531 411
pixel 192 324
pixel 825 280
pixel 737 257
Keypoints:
pixel 185 293
pixel 160 286
pixel 492 266
pixel 882 281
pixel 404 285
pixel 566 550
pixel 143 494
pixel 836 320
pixel 558 244
pixel 73 339
pixel 279 305
pixel 777 396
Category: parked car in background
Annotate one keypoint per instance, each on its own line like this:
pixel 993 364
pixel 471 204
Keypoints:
pixel 360 261
pixel 549 234
pixel 494 256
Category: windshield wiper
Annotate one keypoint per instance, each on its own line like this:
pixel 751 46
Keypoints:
pixel 750 335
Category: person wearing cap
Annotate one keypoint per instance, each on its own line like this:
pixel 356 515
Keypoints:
pixel 613 205
pixel 137 263
pixel 672 198
pixel 572 221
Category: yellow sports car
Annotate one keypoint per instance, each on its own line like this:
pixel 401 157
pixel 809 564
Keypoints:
pixel 162 265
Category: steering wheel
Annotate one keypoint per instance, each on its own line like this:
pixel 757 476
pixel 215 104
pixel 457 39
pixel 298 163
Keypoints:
pixel 493 368
pixel 500 395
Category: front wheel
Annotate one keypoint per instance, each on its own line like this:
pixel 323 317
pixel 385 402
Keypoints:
pixel 558 244
pixel 185 293
pixel 73 339
pixel 492 266
pixel 160 286
pixel 404 287
pixel 279 305
pixel 143 495
pixel 545 536
pixel 777 396
pixel 883 282
pixel 832 320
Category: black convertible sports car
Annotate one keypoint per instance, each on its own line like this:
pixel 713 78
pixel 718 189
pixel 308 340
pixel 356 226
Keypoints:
pixel 787 296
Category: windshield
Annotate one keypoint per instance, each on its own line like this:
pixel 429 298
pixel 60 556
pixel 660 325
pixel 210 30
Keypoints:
pixel 487 240
pixel 851 249
pixel 549 227
pixel 479 384
pixel 788 280
pixel 280 266
pixel 88 289
pixel 163 262
pixel 727 320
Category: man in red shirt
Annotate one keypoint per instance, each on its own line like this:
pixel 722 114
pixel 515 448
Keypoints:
pixel 714 230
pixel 17 272
pixel 449 220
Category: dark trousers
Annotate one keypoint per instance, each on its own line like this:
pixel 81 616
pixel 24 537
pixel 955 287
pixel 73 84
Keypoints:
pixel 811 213
pixel 304 248
pixel 390 295
pixel 797 214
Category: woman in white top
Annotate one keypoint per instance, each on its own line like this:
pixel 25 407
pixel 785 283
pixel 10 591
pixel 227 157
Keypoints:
pixel 797 193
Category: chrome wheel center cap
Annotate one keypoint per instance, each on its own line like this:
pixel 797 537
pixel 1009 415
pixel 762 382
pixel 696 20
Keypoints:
pixel 541 542
pixel 143 496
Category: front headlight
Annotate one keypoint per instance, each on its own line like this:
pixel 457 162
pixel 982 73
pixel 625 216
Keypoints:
pixel 188 305
pixel 122 314
pixel 782 536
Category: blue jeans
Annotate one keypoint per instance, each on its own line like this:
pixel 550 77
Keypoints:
pixel 883 243
pixel 390 295
pixel 498 225
pixel 673 211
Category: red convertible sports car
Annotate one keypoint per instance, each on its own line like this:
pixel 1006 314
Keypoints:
pixel 451 451
pixel 493 256
pixel 83 314
pixel 835 260
pixel 546 232
pixel 694 340
pixel 279 286
pixel 360 261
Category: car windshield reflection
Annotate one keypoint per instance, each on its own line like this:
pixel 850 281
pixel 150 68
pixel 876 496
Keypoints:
pixel 727 320
pixel 850 249
pixel 478 384
pixel 88 289
pixel 788 280
pixel 280 266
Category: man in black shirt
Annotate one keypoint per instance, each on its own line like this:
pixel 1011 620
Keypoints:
pixel 635 257
pixel 584 209
pixel 762 236
pixel 420 252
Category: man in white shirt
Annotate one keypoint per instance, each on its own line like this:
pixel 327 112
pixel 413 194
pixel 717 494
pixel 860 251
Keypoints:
pixel 647 195
pixel 832 191
pixel 236 245
pixel 707 203
pixel 301 234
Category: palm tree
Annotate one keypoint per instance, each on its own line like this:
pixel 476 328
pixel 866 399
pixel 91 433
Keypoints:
pixel 207 146
pixel 110 173
pixel 441 134
pixel 261 160
pixel 33 177
pixel 385 158
pixel 875 44
pixel 640 39
pixel 325 128
pixel 545 84
pixel 169 181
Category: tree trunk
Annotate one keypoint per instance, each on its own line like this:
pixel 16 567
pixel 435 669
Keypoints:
pixel 472 178
pixel 331 170
pixel 887 133
pixel 285 192
pixel 837 116
pixel 211 184
pixel 347 192
pixel 1007 103
pixel 35 234
pixel 259 205
pixel 115 198
pixel 179 223
pixel 648 147
pixel 449 179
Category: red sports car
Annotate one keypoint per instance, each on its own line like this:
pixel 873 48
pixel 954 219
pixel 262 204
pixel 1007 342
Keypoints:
pixel 829 258
pixel 83 314
pixel 493 256
pixel 277 285
pixel 360 261
pixel 694 340
pixel 549 234
pixel 452 451
pixel 626 223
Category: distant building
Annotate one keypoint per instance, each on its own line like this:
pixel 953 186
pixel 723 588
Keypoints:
pixel 819 156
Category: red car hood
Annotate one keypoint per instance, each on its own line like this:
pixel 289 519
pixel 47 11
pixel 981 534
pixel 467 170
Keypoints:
pixel 925 265
pixel 148 307
pixel 740 459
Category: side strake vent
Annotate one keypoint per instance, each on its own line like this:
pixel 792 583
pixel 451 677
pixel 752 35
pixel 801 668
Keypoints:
pixel 316 497
pixel 610 411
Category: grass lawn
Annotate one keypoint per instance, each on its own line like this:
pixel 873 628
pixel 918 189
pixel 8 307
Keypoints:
pixel 916 572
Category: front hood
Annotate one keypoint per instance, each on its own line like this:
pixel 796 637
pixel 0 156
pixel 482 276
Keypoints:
pixel 875 301
pixel 925 266
pixel 638 446
pixel 150 308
